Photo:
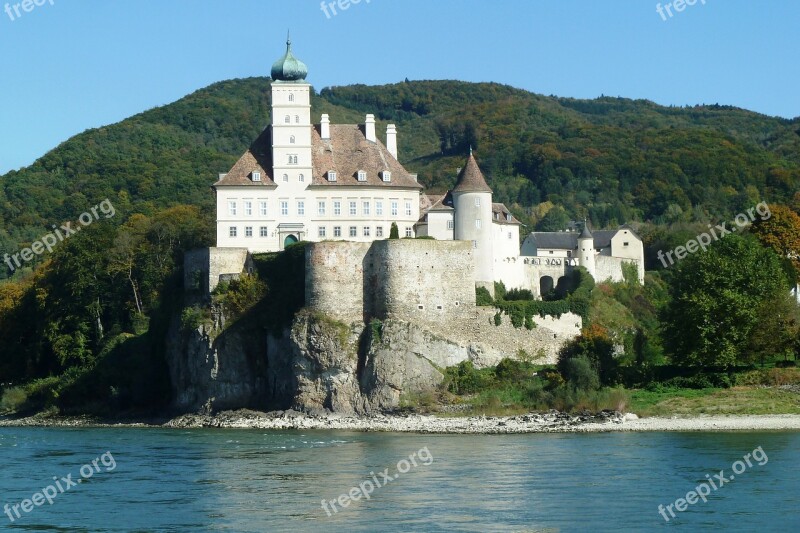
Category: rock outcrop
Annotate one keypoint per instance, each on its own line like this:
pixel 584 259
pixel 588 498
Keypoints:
pixel 317 365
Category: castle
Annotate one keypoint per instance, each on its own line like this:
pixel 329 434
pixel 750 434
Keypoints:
pixel 339 184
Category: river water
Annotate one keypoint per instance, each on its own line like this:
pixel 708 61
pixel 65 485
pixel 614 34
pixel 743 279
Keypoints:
pixel 255 481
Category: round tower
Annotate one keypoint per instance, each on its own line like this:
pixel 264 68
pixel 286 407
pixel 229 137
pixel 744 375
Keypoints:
pixel 472 202
pixel 586 250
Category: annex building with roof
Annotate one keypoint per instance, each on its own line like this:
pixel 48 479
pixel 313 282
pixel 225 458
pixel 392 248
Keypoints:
pixel 329 183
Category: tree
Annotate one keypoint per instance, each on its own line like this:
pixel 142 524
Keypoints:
pixel 780 232
pixel 716 296
pixel 394 233
pixel 555 220
pixel 594 345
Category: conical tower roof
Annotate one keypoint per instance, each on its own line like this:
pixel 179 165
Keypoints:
pixel 289 68
pixel 471 178
pixel 586 234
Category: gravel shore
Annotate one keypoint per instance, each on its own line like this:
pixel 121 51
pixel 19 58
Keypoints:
pixel 552 422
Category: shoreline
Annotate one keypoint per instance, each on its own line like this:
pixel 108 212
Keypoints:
pixel 552 422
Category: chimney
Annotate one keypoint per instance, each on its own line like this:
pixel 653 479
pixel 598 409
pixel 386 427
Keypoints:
pixel 391 139
pixel 325 127
pixel 369 129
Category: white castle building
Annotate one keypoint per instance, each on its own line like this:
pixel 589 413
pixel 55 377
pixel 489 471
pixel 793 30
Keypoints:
pixel 328 182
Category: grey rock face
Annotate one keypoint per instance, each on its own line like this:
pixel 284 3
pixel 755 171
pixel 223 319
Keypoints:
pixel 318 364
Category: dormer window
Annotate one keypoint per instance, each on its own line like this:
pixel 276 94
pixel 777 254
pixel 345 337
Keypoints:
pixel 255 176
pixel 386 176
pixel 362 176
pixel 331 175
pixel 508 217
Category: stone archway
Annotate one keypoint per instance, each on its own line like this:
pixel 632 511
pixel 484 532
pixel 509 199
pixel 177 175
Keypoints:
pixel 290 239
pixel 545 285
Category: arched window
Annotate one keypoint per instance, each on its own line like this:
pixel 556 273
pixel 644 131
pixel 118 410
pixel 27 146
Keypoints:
pixel 291 139
pixel 287 119
pixel 302 178
pixel 291 98
pixel 286 178
pixel 297 119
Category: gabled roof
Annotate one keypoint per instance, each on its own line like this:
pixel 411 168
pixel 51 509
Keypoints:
pixel 568 240
pixel 346 152
pixel 258 158
pixel 471 179
pixel 500 214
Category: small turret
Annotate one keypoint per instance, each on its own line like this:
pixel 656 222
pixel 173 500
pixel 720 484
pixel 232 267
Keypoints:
pixel 586 249
pixel 472 201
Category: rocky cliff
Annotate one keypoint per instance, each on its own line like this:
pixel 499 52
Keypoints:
pixel 316 364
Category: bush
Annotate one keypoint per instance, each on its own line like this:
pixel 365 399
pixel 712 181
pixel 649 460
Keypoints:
pixel 581 374
pixel 466 379
pixel 13 400
pixel 482 297
pixel 519 294
pixel 498 319
pixel 394 232
pixel 499 290
pixel 192 318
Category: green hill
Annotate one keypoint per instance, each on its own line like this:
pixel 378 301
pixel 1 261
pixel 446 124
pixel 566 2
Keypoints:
pixel 609 159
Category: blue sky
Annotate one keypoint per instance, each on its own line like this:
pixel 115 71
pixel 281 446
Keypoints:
pixel 69 65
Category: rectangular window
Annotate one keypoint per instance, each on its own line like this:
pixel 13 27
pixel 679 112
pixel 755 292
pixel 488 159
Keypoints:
pixel 366 231
pixel 379 208
pixel 248 208
pixel 337 208
pixel 408 208
pixel 394 208
pixel 509 235
pixel 477 202
pixel 321 232
pixel 321 208
pixel 451 224
pixel 353 209
pixel 477 223
pixel 409 232
pixel 263 208
pixel 262 232
pixel 301 208
pixel 331 175
pixel 284 208
pixel 337 231
pixel 232 231
pixel 353 231
pixel 232 208
pixel 379 232
pixel 365 208
pixel 248 231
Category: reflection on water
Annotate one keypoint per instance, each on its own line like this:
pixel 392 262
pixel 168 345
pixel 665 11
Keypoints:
pixel 242 481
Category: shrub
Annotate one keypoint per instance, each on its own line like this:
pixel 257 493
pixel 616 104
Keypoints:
pixel 498 319
pixel 466 379
pixel 13 400
pixel 192 318
pixel 482 297
pixel 519 294
pixel 581 374
pixel 394 232
pixel 499 290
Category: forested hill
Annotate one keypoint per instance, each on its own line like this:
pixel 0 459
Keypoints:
pixel 611 159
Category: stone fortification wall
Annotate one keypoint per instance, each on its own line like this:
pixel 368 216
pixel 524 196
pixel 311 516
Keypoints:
pixel 335 280
pixel 203 268
pixel 410 279
pixel 421 280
